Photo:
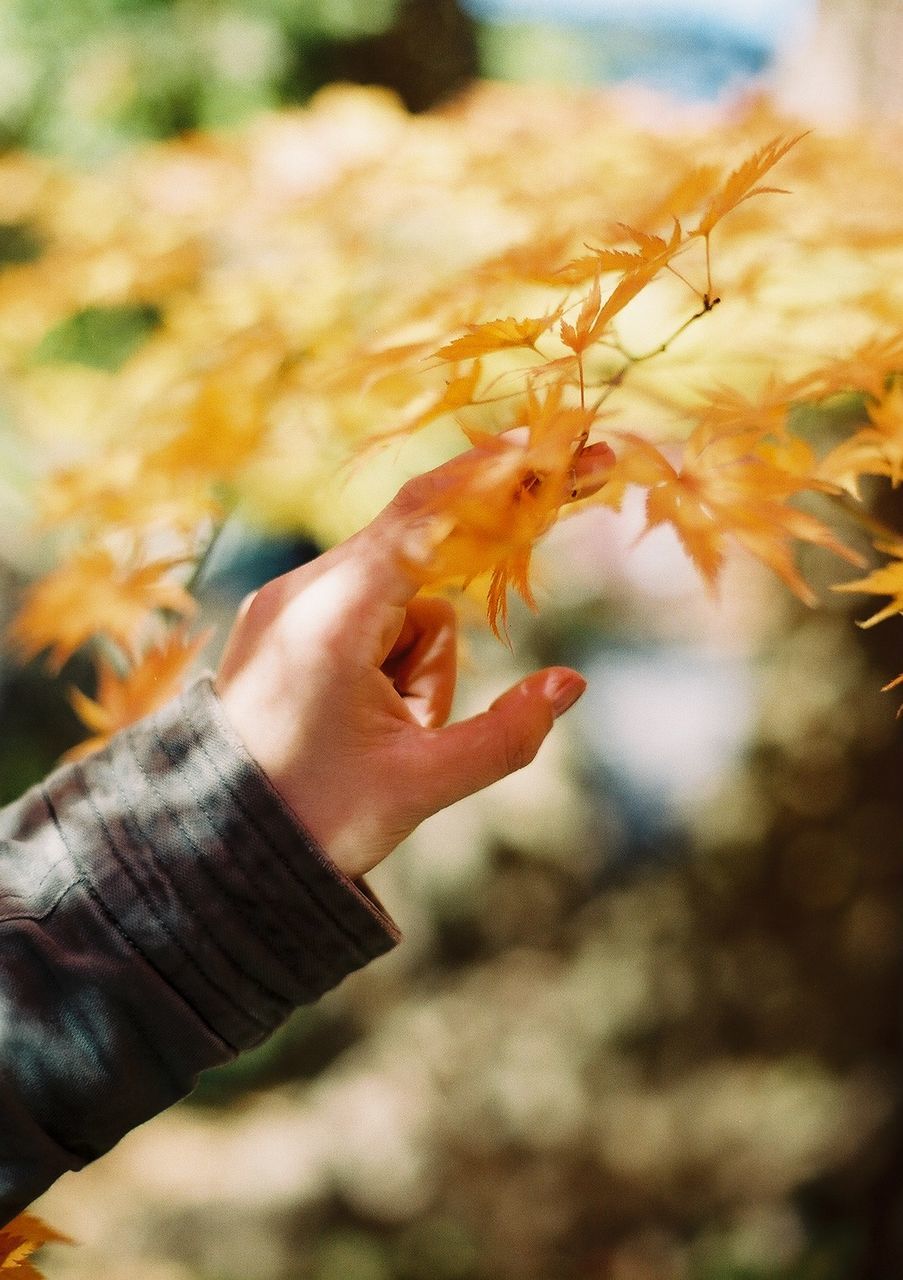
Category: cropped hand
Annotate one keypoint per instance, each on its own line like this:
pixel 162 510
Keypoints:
pixel 339 679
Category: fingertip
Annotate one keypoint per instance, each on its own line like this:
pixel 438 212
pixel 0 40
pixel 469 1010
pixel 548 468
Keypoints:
pixel 562 687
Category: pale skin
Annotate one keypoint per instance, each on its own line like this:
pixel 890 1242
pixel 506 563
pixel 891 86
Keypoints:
pixel 339 679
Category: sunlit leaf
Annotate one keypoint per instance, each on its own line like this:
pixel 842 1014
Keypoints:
pixel 94 593
pixel 724 487
pixel 121 699
pixel 741 183
pixel 496 335
pixel 876 450
pixel 887 580
pixel 21 1238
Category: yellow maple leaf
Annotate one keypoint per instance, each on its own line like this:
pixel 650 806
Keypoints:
pixel 459 392
pixel 866 369
pixel 118 490
pixel 501 496
pixel 531 261
pixel 221 430
pixel 887 580
pixel 577 336
pixel 596 262
pixel 684 195
pixel 741 183
pixel 635 280
pixel 497 335
pixel 724 410
pixel 724 487
pixel 94 593
pixel 876 450
pixel 122 699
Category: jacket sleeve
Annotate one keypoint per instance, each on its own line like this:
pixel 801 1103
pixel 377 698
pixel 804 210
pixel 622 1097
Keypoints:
pixel 160 910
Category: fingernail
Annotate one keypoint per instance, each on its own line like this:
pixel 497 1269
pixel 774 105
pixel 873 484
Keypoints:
pixel 563 688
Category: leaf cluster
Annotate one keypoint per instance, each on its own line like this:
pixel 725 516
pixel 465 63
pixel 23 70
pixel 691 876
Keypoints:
pixel 300 315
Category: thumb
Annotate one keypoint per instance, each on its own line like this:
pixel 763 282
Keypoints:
pixel 465 757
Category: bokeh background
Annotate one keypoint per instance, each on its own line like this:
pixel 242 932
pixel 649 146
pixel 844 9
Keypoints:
pixel 646 1021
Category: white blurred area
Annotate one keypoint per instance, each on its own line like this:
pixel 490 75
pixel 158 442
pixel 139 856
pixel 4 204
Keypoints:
pixel 674 684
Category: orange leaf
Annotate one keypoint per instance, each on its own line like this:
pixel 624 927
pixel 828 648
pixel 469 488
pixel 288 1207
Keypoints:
pixel 21 1238
pixel 458 394
pixel 532 261
pixel 725 410
pixel 875 451
pixel 887 580
pixel 497 335
pixel 123 699
pixel 223 429
pixel 685 195
pixel 597 262
pixel 634 282
pixel 865 369
pixel 741 183
pixel 502 495
pixel 724 488
pixel 93 593
pixel 578 337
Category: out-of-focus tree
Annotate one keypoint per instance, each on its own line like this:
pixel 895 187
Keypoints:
pixel 86 76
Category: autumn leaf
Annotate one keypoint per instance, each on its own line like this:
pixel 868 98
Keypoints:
pixel 221 430
pixel 634 282
pixel 120 491
pixel 642 264
pixel 887 580
pixel 867 369
pixel 530 261
pixel 497 335
pixel 21 1238
pixel 724 487
pixel 458 394
pixel 577 337
pixel 502 495
pixel 94 593
pixel 597 262
pixel 123 699
pixel 741 183
pixel 685 194
pixel 876 450
pixel 724 410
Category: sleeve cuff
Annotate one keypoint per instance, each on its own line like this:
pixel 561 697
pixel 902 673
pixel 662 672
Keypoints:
pixel 207 873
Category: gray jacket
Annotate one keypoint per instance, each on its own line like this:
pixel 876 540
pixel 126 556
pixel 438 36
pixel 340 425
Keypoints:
pixel 160 911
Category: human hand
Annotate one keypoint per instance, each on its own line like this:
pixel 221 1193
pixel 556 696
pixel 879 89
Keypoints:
pixel 339 680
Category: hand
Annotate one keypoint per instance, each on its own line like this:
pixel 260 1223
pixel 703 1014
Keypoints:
pixel 339 680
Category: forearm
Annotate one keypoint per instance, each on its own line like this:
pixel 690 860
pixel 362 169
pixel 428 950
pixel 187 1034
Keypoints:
pixel 160 910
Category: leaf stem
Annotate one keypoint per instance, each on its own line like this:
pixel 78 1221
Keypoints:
pixel 708 304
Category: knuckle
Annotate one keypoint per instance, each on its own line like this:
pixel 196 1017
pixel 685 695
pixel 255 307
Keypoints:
pixel 414 495
pixel 258 607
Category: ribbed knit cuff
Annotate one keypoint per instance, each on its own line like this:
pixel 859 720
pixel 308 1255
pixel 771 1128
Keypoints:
pixel 207 873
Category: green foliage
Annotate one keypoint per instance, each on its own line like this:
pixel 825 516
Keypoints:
pixel 86 76
pixel 100 337
pixel 18 243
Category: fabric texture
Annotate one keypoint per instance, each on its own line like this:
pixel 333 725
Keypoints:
pixel 161 909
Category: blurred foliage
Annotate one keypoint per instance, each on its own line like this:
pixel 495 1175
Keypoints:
pixel 99 337
pixel 225 319
pixel 86 76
